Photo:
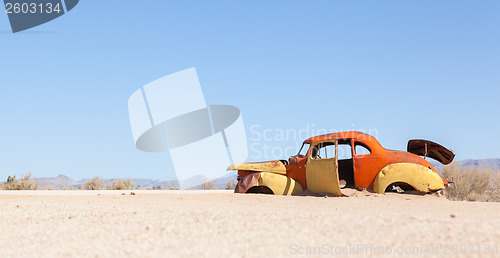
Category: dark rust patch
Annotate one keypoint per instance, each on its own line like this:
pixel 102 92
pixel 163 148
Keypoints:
pixel 432 150
pixel 247 182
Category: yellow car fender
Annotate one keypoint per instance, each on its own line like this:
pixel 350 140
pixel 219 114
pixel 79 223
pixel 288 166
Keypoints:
pixel 279 184
pixel 421 178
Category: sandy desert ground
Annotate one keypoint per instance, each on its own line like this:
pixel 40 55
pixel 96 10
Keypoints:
pixel 220 223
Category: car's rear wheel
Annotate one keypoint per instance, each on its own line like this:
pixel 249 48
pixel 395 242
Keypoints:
pixel 399 187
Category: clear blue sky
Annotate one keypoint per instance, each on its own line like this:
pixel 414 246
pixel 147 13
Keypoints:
pixel 407 69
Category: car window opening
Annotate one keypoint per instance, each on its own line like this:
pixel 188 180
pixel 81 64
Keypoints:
pixel 361 149
pixel 346 166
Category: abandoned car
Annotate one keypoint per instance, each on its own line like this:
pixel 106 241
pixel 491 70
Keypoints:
pixel 330 162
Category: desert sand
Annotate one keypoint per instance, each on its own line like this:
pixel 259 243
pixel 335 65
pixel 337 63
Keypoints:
pixel 221 223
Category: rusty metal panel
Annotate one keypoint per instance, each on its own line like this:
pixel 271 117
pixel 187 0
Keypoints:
pixel 275 166
pixel 432 150
pixel 246 182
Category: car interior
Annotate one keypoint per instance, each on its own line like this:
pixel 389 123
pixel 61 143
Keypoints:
pixel 346 165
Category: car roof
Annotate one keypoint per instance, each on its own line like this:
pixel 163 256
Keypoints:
pixel 342 135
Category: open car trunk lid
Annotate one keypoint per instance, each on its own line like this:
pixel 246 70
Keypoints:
pixel 432 150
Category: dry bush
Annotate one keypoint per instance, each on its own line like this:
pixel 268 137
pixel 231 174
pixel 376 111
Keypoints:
pixel 49 187
pixel 231 184
pixel 496 186
pixel 472 183
pixel 119 184
pixel 95 183
pixel 207 185
pixel 24 183
pixel 173 187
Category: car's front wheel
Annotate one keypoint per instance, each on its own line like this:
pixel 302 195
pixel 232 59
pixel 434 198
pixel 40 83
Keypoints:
pixel 260 190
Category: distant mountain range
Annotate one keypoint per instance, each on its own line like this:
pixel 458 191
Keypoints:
pixel 64 182
pixel 59 182
pixel 490 163
pixel 487 163
pixel 195 182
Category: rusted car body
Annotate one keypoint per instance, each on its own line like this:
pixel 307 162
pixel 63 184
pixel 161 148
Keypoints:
pixel 327 163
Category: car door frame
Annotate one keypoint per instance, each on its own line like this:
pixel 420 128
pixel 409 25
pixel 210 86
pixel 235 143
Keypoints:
pixel 322 173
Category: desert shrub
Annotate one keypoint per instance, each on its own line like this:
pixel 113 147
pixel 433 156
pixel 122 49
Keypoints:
pixel 472 183
pixel 95 183
pixel 496 181
pixel 231 184
pixel 119 184
pixel 173 186
pixel 48 187
pixel 207 185
pixel 24 183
